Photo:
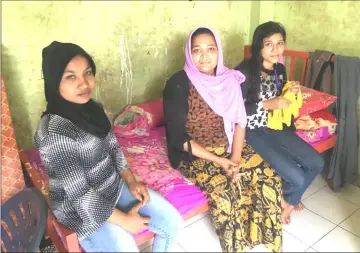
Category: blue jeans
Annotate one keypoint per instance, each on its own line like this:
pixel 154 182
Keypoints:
pixel 166 222
pixel 292 158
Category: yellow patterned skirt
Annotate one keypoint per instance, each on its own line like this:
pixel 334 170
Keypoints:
pixel 245 213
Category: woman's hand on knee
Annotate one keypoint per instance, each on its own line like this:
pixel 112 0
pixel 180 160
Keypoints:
pixel 139 191
pixel 134 223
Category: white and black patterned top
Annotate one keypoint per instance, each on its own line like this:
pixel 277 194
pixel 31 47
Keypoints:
pixel 256 114
pixel 84 173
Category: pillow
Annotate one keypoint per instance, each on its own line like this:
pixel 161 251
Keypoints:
pixel 324 114
pixel 133 122
pixel 155 108
pixel 315 136
pixel 314 101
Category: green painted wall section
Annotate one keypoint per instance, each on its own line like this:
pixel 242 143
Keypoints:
pixel 311 25
pixel 136 46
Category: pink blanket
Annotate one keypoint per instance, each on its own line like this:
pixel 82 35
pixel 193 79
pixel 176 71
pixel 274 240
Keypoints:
pixel 148 160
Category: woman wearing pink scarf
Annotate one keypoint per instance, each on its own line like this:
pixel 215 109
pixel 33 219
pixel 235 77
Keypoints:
pixel 205 128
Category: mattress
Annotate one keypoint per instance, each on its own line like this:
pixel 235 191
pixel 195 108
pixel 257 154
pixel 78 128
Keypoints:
pixel 147 158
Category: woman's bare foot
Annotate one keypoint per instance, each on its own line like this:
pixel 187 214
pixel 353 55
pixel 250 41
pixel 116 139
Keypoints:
pixel 287 209
pixel 299 207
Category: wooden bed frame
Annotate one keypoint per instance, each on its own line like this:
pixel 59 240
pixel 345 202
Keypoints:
pixel 69 241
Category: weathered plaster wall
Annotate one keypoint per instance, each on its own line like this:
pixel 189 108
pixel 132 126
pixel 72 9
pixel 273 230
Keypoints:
pixel 136 46
pixel 310 25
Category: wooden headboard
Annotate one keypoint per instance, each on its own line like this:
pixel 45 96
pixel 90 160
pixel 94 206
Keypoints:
pixel 294 56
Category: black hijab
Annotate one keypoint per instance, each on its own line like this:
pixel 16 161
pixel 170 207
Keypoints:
pixel 89 116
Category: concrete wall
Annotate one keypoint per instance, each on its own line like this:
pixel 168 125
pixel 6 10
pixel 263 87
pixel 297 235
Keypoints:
pixel 310 25
pixel 136 46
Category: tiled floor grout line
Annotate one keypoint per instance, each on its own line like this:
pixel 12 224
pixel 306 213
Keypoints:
pixel 321 216
pixel 206 215
pixel 312 245
pixel 309 248
pixel 344 199
pixel 348 218
pixel 182 247
pixel 314 192
pixel 322 237
pixel 349 232
pixel 336 225
pixel 334 194
pixel 152 245
pixel 285 230
pixel 143 250
pixel 296 239
pixel 195 221
pixel 323 187
pixel 330 220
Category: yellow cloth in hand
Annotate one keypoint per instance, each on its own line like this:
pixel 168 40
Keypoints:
pixel 277 117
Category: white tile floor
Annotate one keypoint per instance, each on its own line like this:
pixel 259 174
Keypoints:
pixel 330 223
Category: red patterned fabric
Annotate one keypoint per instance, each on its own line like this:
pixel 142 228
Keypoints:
pixel 155 108
pixel 314 101
pixel 315 137
pixel 12 178
pixel 324 114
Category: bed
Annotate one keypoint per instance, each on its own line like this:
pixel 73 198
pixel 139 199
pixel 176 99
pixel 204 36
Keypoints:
pixel 148 159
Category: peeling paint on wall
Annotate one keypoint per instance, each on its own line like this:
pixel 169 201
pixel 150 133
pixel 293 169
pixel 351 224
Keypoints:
pixel 126 69
pixel 122 33
pixel 156 53
pixel 118 37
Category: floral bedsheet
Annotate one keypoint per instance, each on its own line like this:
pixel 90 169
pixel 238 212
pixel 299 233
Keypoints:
pixel 148 160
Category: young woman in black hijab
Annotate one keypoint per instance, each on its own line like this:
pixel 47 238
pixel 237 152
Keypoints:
pixel 92 189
